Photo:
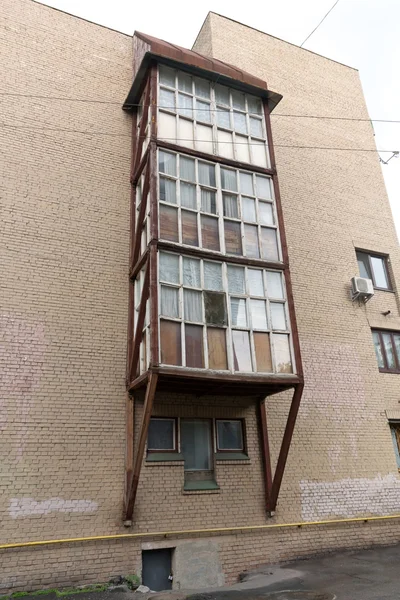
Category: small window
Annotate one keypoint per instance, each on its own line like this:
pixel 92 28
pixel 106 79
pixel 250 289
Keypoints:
pixel 162 435
pixel 387 350
pixel 395 431
pixel 374 267
pixel 229 435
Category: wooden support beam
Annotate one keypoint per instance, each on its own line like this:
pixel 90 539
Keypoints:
pixel 139 325
pixel 266 455
pixel 141 216
pixel 130 428
pixel 144 428
pixel 142 128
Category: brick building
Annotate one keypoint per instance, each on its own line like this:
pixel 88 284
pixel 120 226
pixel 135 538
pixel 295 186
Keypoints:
pixel 156 342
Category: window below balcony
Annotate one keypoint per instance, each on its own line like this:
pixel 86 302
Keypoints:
pixel 387 350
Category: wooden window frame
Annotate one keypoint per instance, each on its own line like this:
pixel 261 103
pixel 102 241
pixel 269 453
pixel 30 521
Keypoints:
pixel 243 449
pixel 384 258
pixel 386 369
pixel 176 438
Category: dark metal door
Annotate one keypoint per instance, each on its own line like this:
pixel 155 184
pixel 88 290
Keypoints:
pixel 156 569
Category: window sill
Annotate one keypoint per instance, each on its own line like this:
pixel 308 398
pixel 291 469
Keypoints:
pixel 200 486
pixel 224 456
pixel 164 457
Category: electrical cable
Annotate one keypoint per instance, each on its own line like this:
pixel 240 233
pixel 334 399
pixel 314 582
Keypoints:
pixel 320 23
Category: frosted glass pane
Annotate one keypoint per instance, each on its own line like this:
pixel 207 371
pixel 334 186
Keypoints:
pixel 266 213
pixel 251 237
pixel 236 283
pixel 213 276
pixel 255 282
pixel 239 122
pixel 249 209
pixel 192 306
pixel 225 147
pixel 241 351
pixel 168 190
pixel 167 76
pixel 256 127
pixel 254 105
pixel 228 179
pixel 258 314
pixel 169 302
pixel 258 152
pixel 204 139
pixel 185 133
pixel 242 149
pixel 188 195
pixel 167 163
pixel 184 82
pixel 208 201
pixel 167 99
pixel 263 187
pixel 269 244
pixel 223 117
pixel 283 361
pixel 191 272
pixel 222 94
pixel 246 183
pixel 206 174
pixel 278 317
pixel 238 312
pixel 387 342
pixel 169 267
pixel 274 285
pixel 202 88
pixel 203 112
pixel 231 208
pixel 238 100
pixel 185 105
pixel 167 127
pixel 187 168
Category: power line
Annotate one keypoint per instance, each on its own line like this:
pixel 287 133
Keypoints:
pixel 322 20
pixel 105 133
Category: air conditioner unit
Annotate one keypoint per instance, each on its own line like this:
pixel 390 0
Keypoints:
pixel 361 289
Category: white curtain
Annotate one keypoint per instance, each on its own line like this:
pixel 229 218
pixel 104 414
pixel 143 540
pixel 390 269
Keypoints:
pixel 188 195
pixel 228 180
pixel 208 203
pixel 169 302
pixel 192 306
pixel 238 312
pixel 169 267
pixel 191 272
pixel 186 168
pixel 231 206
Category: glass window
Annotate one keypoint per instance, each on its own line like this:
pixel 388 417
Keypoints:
pixel 168 190
pixel 192 306
pixel 241 351
pixel 238 312
pixel 167 76
pixel 167 163
pixel 228 179
pixel 191 272
pixel 236 282
pixel 167 100
pixel 161 435
pixel 187 168
pixel 215 308
pixel 375 268
pixel 206 174
pixel 395 431
pixel 196 444
pixel 378 349
pixel 169 267
pixel 169 302
pixel 229 435
pixel 212 276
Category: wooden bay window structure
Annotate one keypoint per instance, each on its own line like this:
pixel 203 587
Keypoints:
pixel 210 299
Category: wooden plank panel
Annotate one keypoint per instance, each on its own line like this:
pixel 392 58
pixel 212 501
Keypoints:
pixel 189 228
pixel 169 223
pixel 194 346
pixel 263 352
pixel 171 346
pixel 217 358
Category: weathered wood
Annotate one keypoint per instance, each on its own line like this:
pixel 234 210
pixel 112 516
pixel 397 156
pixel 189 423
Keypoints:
pixel 266 455
pixel 141 217
pixel 139 325
pixel 130 428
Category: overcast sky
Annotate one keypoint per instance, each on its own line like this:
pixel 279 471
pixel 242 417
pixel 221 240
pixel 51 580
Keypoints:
pixel 361 33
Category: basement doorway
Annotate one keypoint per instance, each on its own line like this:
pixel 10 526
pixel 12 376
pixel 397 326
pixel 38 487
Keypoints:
pixel 157 569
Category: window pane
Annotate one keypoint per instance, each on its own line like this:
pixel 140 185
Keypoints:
pixel 278 316
pixel 396 338
pixel 192 306
pixel 266 213
pixel 263 187
pixel 233 239
pixel 209 233
pixel 171 347
pixel 274 285
pixel 223 118
pixel 184 82
pixel 167 99
pixel 190 234
pixel 196 444
pixel 394 429
pixel 378 350
pixel 185 104
pixel 241 351
pixel 228 180
pixel 161 434
pixel 256 127
pixel 378 267
pixel 213 276
pixel 169 268
pixel 231 208
pixel 363 265
pixel 246 184
pixel 254 105
pixel 249 209
pixel 206 174
pixel 191 272
pixel 215 308
pixel 263 352
pixel 282 353
pixel 251 237
pixel 208 201
pixel 167 163
pixel 269 243
pixel 202 88
pixel 194 346
pixel 238 100
pixel 222 94
pixel 169 223
pixel 168 190
pixel 255 282
pixel 187 168
pixel 216 340
pixel 236 280
pixel 258 314
pixel 167 76
pixel 229 435
pixel 169 302
pixel 188 195
pixel 387 342
pixel 203 112
pixel 238 312
pixel 239 122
